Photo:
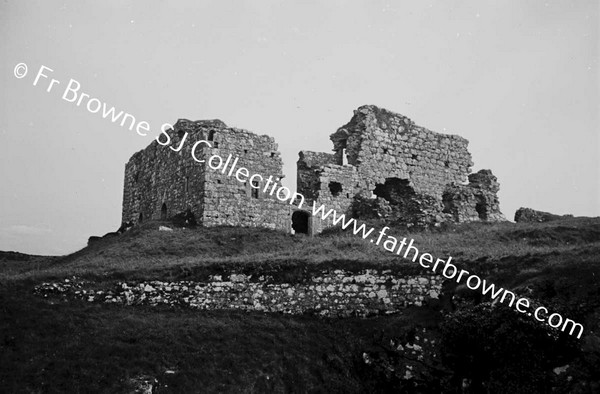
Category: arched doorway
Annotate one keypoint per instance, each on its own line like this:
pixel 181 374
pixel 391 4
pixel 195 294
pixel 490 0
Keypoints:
pixel 300 222
pixel 163 212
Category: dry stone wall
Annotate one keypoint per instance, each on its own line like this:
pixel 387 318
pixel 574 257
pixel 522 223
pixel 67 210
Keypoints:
pixel 332 293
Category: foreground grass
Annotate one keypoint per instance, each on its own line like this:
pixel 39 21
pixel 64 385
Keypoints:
pixel 77 347
pixel 47 345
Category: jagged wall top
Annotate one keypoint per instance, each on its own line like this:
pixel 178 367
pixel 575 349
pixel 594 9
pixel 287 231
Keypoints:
pixel 385 120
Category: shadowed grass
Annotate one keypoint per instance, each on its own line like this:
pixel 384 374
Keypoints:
pixel 47 345
pixel 145 249
pixel 79 348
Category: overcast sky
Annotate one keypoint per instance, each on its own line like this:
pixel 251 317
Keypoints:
pixel 518 79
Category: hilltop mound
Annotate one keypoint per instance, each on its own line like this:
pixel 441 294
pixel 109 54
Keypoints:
pixel 144 251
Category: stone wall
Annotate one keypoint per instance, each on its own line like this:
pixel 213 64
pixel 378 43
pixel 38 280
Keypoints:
pixel 382 144
pixel 332 293
pixel 161 181
pixel 475 201
pixel 419 176
pixel 383 155
pixel 308 169
pixel 326 183
pixel 229 202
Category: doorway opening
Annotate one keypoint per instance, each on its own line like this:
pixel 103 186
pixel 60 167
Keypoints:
pixel 300 222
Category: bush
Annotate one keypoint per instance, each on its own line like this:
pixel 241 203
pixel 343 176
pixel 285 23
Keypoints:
pixel 495 349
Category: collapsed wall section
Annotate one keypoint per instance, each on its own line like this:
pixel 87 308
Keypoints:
pixel 475 201
pixel 399 171
pixel 383 144
pixel 334 186
pixel 308 170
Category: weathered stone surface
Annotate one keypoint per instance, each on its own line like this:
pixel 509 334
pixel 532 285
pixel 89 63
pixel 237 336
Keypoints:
pixel 383 166
pixel 335 293
pixel 423 176
pixel 474 201
pixel 163 183
pixel 531 215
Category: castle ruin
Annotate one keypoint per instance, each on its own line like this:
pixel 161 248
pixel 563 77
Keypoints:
pixel 386 166
pixel 162 181
pixel 382 166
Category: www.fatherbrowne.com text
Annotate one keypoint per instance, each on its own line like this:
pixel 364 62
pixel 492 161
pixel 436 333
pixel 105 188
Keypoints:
pixel 404 247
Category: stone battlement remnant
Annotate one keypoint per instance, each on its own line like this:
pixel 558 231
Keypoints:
pixel 383 166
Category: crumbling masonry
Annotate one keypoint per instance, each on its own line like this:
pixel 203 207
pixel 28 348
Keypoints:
pixel 383 166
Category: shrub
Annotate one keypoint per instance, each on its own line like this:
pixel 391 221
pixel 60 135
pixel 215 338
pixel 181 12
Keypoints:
pixel 500 351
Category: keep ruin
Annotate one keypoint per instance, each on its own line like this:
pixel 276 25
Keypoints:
pixel 383 166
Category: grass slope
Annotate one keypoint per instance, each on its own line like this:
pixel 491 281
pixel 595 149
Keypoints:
pixel 52 346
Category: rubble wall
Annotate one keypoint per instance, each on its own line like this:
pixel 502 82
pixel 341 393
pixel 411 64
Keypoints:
pixel 383 145
pixel 335 293
pixel 422 175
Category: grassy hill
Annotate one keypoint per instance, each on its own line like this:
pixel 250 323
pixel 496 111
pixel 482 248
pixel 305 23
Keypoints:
pixel 56 344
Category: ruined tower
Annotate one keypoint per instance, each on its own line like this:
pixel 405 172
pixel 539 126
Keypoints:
pixel 384 163
pixel 162 181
